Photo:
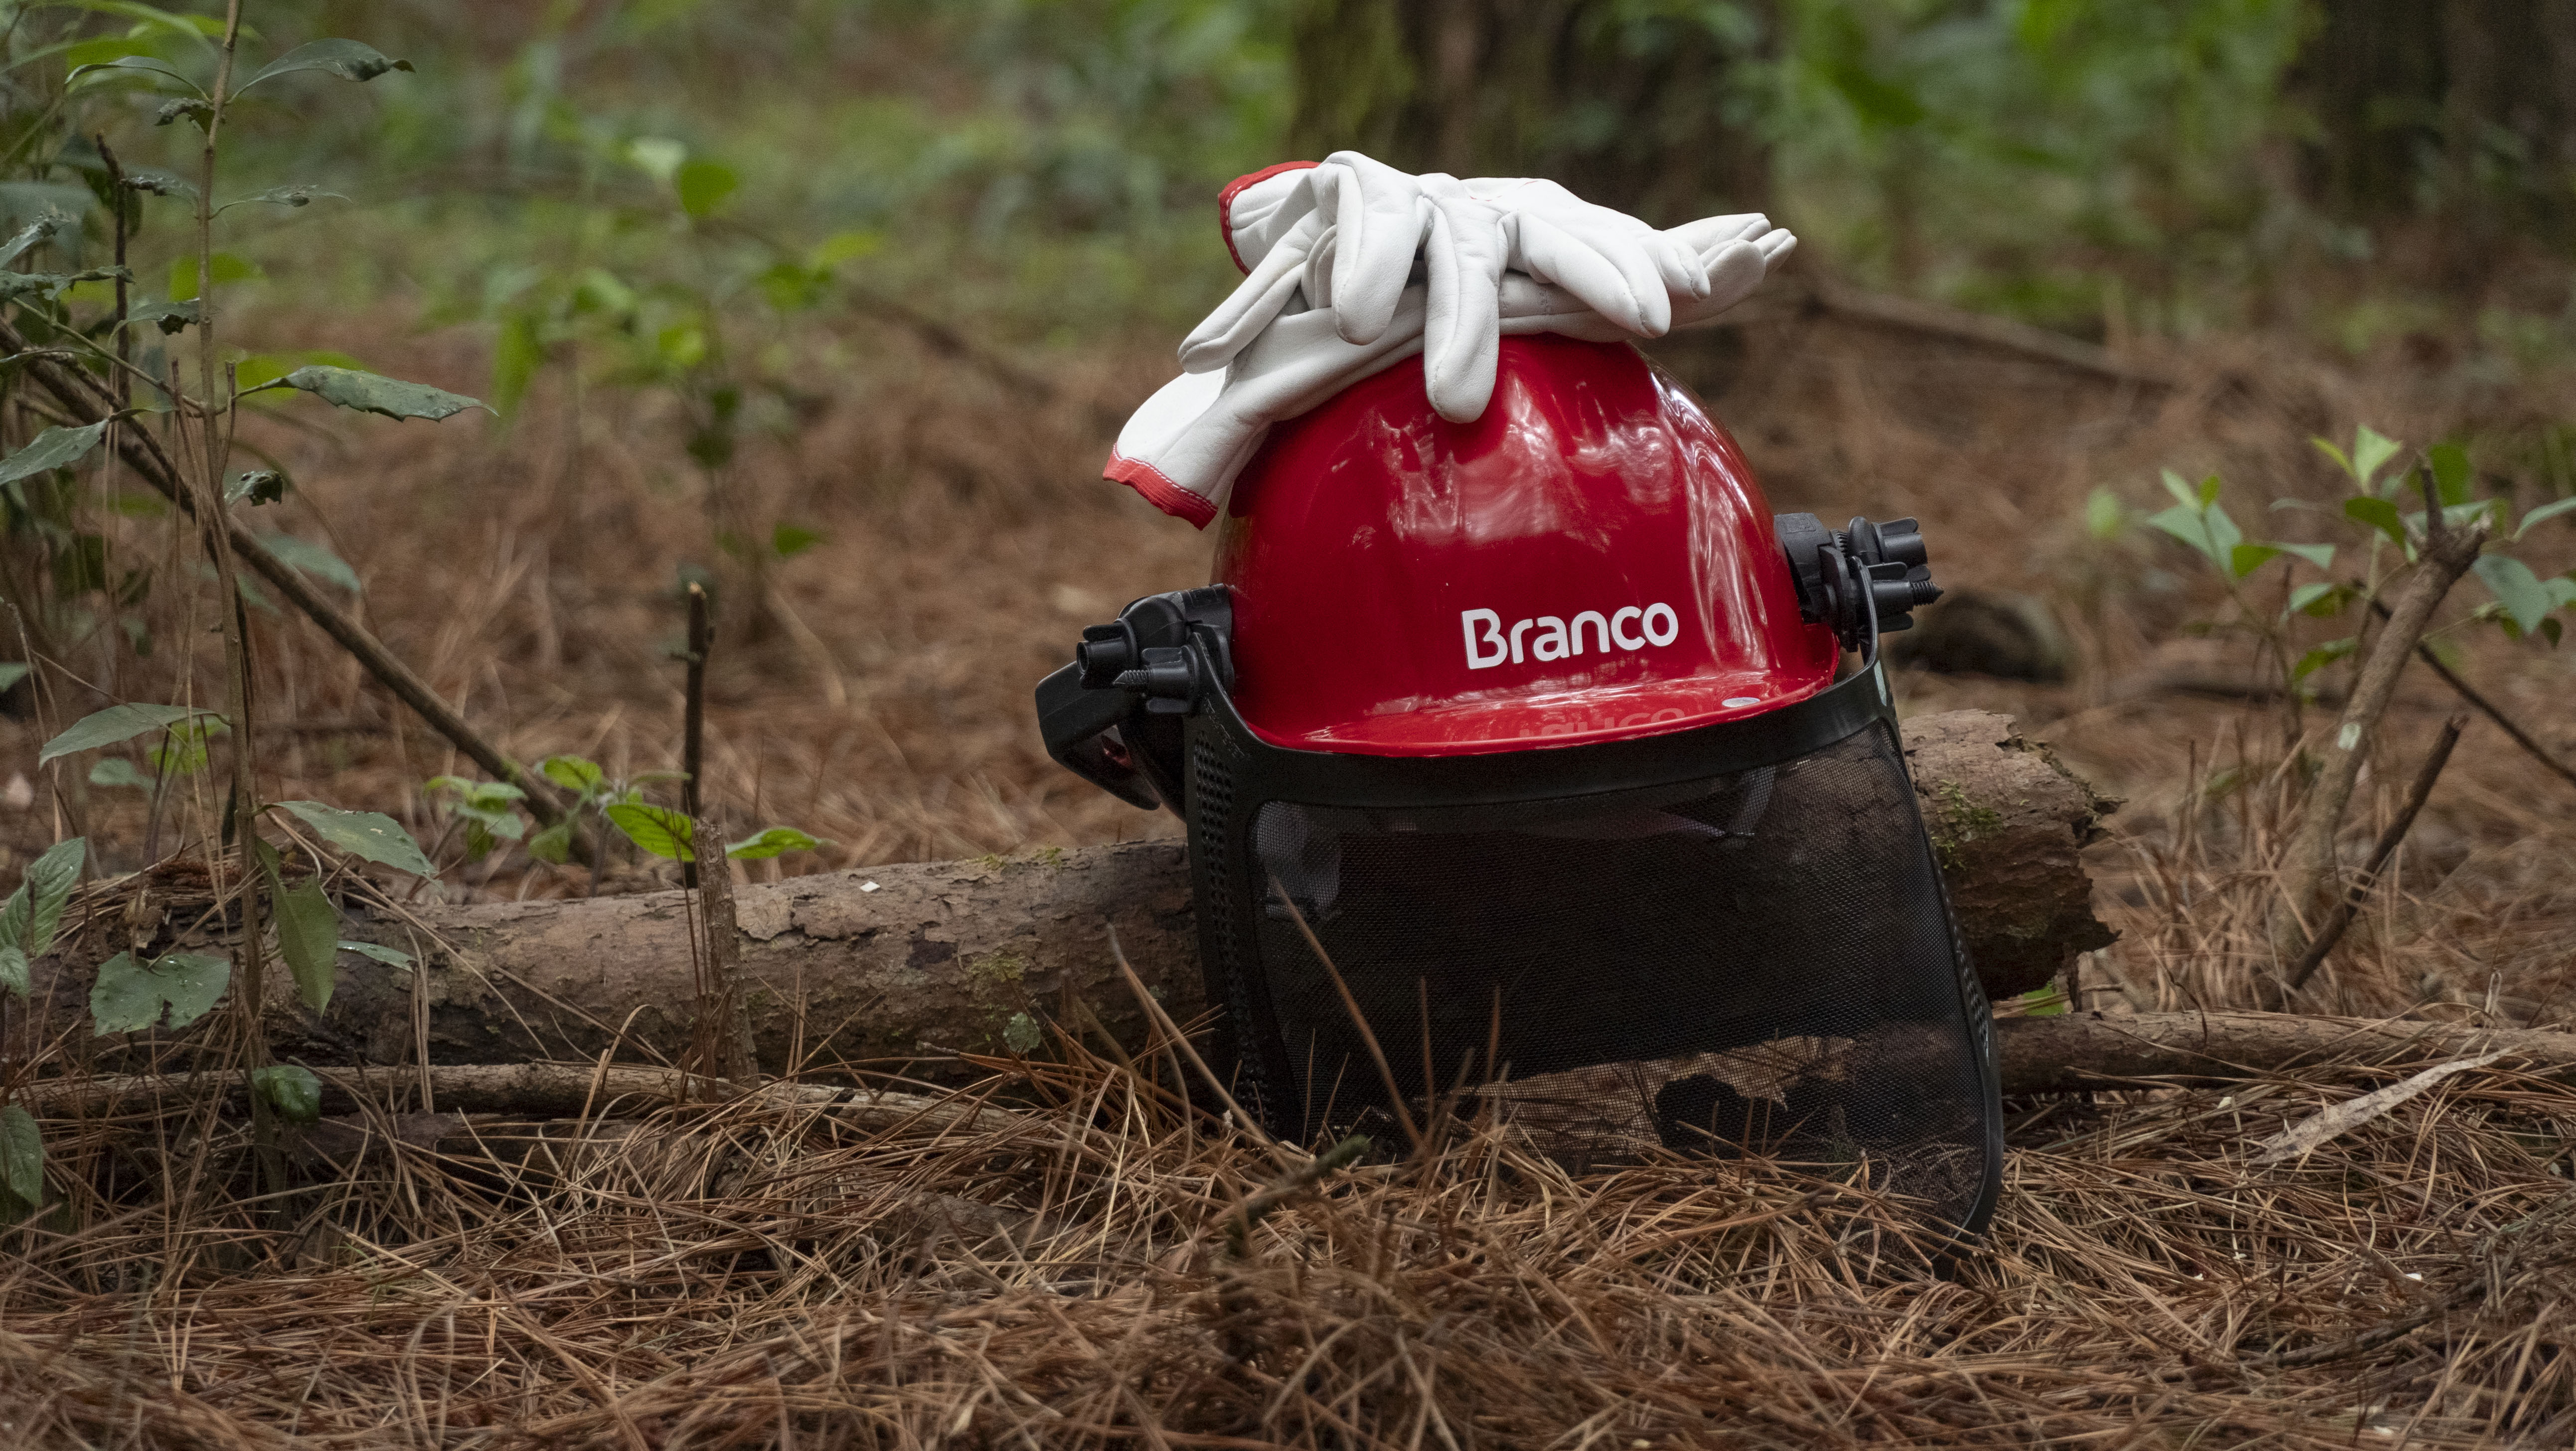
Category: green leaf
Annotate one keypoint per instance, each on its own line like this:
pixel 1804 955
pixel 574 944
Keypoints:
pixel 2371 452
pixel 554 844
pixel 2104 515
pixel 131 996
pixel 389 956
pixel 258 372
pixel 2244 559
pixel 2341 460
pixel 2516 588
pixel 54 284
pixel 2045 1002
pixel 572 773
pixel 658 157
pixel 2182 491
pixel 2543 513
pixel 2183 524
pixel 517 353
pixel 143 63
pixel 776 841
pixel 789 540
pixel 1022 1033
pixel 2451 476
pixel 114 724
pixel 22 1157
pixel 13 969
pixel 2320 555
pixel 38 231
pixel 2208 491
pixel 2206 528
pixel 45 890
pixel 293 194
pixel 182 750
pixel 291 1089
pixel 350 60
pixel 703 185
pixel 52 449
pixel 170 184
pixel 843 247
pixel 657 829
pixel 11 672
pixel 2379 514
pixel 369 834
pixel 308 937
pixel 2322 599
pixel 313 559
pixel 115 771
pixel 2321 657
pixel 373 393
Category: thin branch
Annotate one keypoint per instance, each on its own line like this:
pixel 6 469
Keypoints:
pixel 2336 922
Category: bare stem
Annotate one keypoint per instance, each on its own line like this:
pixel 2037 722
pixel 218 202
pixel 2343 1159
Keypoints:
pixel 2448 552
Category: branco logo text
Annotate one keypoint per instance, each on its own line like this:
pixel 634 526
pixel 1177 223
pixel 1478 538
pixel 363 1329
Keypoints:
pixel 1550 638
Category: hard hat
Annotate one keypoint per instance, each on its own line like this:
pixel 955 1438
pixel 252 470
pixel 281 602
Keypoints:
pixel 1519 745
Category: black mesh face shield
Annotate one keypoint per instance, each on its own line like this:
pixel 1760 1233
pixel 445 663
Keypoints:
pixel 1729 940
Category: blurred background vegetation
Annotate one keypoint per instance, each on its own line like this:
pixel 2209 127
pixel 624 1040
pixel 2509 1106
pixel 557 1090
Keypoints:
pixel 1041 170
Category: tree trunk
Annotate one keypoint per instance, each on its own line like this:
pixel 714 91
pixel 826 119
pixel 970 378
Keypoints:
pixel 923 961
pixel 2462 112
pixel 1633 111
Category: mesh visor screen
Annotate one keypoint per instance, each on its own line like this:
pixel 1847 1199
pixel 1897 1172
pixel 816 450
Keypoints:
pixel 1755 963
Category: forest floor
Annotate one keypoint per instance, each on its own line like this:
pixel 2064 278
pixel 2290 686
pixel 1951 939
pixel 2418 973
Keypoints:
pixel 750 1276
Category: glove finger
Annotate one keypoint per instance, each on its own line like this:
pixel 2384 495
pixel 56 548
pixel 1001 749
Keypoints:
pixel 1733 270
pixel 1380 214
pixel 1254 302
pixel 1620 284
pixel 1776 245
pixel 1678 265
pixel 1461 337
pixel 1710 233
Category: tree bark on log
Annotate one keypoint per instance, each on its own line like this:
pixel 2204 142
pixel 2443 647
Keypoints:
pixel 921 962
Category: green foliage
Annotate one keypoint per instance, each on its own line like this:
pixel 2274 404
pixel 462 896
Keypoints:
pixel 389 956
pixel 32 912
pixel 114 724
pixel 22 1160
pixel 368 393
pixel 2524 602
pixel 291 1089
pixel 171 991
pixel 372 835
pixel 308 929
pixel 776 841
pixel 52 449
pixel 489 810
pixel 350 60
pixel 663 832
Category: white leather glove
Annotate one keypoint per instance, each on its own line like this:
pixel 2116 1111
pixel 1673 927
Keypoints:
pixel 1343 237
pixel 1333 295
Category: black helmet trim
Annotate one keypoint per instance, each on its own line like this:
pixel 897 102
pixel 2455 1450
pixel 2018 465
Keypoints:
pixel 1330 778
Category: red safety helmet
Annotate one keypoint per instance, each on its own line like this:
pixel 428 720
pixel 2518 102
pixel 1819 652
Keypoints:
pixel 1534 724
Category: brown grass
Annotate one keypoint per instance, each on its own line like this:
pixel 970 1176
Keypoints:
pixel 741 1277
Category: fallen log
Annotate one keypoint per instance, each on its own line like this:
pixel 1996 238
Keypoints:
pixel 2094 1050
pixel 2062 1054
pixel 920 962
